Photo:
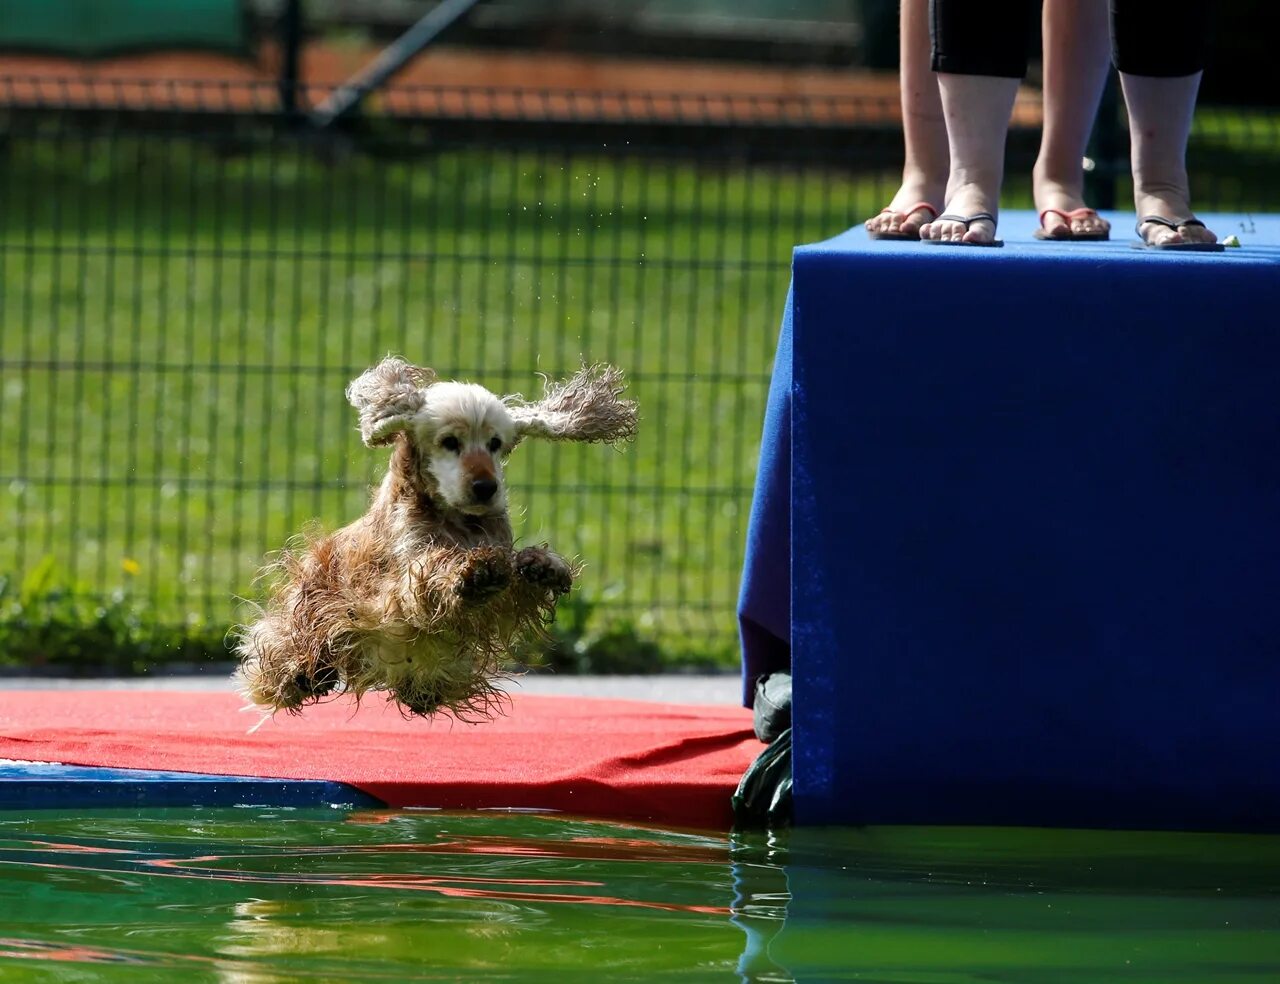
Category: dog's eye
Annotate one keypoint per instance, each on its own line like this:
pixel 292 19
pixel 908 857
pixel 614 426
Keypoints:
pixel 495 445
pixel 450 443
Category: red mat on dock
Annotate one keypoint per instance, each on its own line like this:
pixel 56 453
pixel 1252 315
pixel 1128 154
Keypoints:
pixel 666 763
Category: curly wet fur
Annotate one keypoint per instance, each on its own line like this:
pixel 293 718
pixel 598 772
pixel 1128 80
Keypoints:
pixel 586 407
pixel 424 597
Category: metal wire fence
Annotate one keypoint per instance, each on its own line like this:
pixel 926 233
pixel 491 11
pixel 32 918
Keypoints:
pixel 190 279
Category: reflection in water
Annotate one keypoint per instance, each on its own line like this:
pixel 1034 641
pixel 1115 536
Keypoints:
pixel 760 903
pixel 264 895
pixel 1024 906
pixel 255 895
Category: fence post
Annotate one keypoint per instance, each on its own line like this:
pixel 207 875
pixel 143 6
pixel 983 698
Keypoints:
pixel 289 36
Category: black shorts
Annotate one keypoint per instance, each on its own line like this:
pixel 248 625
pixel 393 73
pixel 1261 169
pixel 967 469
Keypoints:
pixel 1158 38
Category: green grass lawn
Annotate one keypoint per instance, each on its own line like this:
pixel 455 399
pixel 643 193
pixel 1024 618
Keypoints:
pixel 178 323
pixel 178 328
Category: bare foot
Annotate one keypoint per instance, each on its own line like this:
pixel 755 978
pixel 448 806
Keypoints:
pixel 1063 211
pixel 1172 204
pixel 915 191
pixel 965 200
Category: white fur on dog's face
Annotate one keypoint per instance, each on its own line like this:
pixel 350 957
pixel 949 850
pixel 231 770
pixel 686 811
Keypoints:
pixel 463 433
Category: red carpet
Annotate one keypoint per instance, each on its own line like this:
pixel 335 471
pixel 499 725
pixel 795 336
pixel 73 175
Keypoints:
pixel 665 763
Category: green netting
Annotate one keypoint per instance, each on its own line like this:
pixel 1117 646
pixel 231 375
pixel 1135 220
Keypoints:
pixel 96 27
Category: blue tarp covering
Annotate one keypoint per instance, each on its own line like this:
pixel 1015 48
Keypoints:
pixel 1018 528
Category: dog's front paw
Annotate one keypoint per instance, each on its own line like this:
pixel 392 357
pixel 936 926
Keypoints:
pixel 538 565
pixel 485 572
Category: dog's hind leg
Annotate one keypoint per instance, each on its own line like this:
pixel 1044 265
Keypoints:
pixel 270 670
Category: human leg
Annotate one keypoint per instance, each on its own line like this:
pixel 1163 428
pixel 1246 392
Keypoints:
pixel 1160 50
pixel 980 54
pixel 1076 60
pixel 1160 111
pixel 924 132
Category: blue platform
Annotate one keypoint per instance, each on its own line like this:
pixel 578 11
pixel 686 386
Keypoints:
pixel 43 785
pixel 1017 531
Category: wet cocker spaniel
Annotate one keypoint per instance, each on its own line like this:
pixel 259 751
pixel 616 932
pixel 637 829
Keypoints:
pixel 425 595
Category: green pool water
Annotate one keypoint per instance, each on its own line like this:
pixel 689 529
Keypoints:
pixel 262 895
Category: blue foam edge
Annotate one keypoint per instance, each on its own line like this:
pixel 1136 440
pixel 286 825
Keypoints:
pixel 48 785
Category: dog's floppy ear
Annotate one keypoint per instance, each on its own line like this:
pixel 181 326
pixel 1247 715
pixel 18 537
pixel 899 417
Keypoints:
pixel 586 407
pixel 388 396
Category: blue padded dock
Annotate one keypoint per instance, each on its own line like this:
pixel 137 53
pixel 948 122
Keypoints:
pixel 45 785
pixel 1017 531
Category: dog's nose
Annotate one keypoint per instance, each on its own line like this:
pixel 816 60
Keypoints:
pixel 483 489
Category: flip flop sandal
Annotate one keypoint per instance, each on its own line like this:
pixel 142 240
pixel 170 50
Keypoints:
pixel 1070 237
pixel 1174 225
pixel 904 236
pixel 966 222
